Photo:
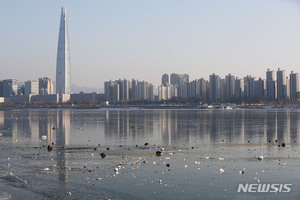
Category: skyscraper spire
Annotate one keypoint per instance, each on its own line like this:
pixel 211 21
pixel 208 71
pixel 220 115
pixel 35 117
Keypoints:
pixel 63 65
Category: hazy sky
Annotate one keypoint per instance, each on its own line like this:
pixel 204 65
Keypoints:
pixel 142 39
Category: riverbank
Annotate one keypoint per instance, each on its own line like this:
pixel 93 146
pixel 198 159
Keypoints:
pixel 152 106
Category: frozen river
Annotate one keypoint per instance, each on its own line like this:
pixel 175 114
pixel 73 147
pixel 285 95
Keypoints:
pixel 205 154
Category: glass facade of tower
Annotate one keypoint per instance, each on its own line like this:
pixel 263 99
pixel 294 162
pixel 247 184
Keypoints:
pixel 63 65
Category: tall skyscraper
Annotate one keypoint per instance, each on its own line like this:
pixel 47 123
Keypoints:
pixel 63 65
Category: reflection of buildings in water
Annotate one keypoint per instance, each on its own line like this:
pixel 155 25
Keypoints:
pixel 203 125
pixel 271 126
pixel 176 126
pixel 248 125
pixel 111 126
pixel 216 126
pixel 294 128
pixel 33 121
pixel 16 126
pixel 168 125
pixel 127 125
pixel 46 122
pixel 63 128
pixel 283 126
pixel 171 126
pixel 21 125
pixel 1 119
pixel 63 138
pixel 9 125
pixel 34 124
pixel 255 129
pixel 238 128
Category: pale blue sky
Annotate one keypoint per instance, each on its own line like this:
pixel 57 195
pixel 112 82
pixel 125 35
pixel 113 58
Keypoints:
pixel 143 39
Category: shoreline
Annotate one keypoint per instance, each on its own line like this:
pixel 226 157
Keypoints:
pixel 157 106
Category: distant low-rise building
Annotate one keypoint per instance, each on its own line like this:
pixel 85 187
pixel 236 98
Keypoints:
pixel 20 99
pixel 87 98
pixel 51 98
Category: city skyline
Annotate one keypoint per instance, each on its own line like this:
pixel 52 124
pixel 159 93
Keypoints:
pixel 143 39
pixel 230 89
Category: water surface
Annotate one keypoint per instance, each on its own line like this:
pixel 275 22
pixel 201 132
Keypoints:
pixel 130 137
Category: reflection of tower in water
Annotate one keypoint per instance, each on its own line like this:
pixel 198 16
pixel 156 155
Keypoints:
pixel 63 138
pixel 63 129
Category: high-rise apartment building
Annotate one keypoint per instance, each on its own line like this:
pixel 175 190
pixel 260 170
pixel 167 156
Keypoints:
pixel 271 89
pixel 214 87
pixel 134 90
pixel 193 88
pixel 63 64
pixel 259 88
pixel 222 89
pixel 124 88
pixel 32 87
pixel 176 79
pixel 124 91
pixel 229 87
pixel 166 92
pixel 249 82
pixel 166 79
pixel 294 85
pixel 45 86
pixel 202 89
pixel 239 88
pixel 281 84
